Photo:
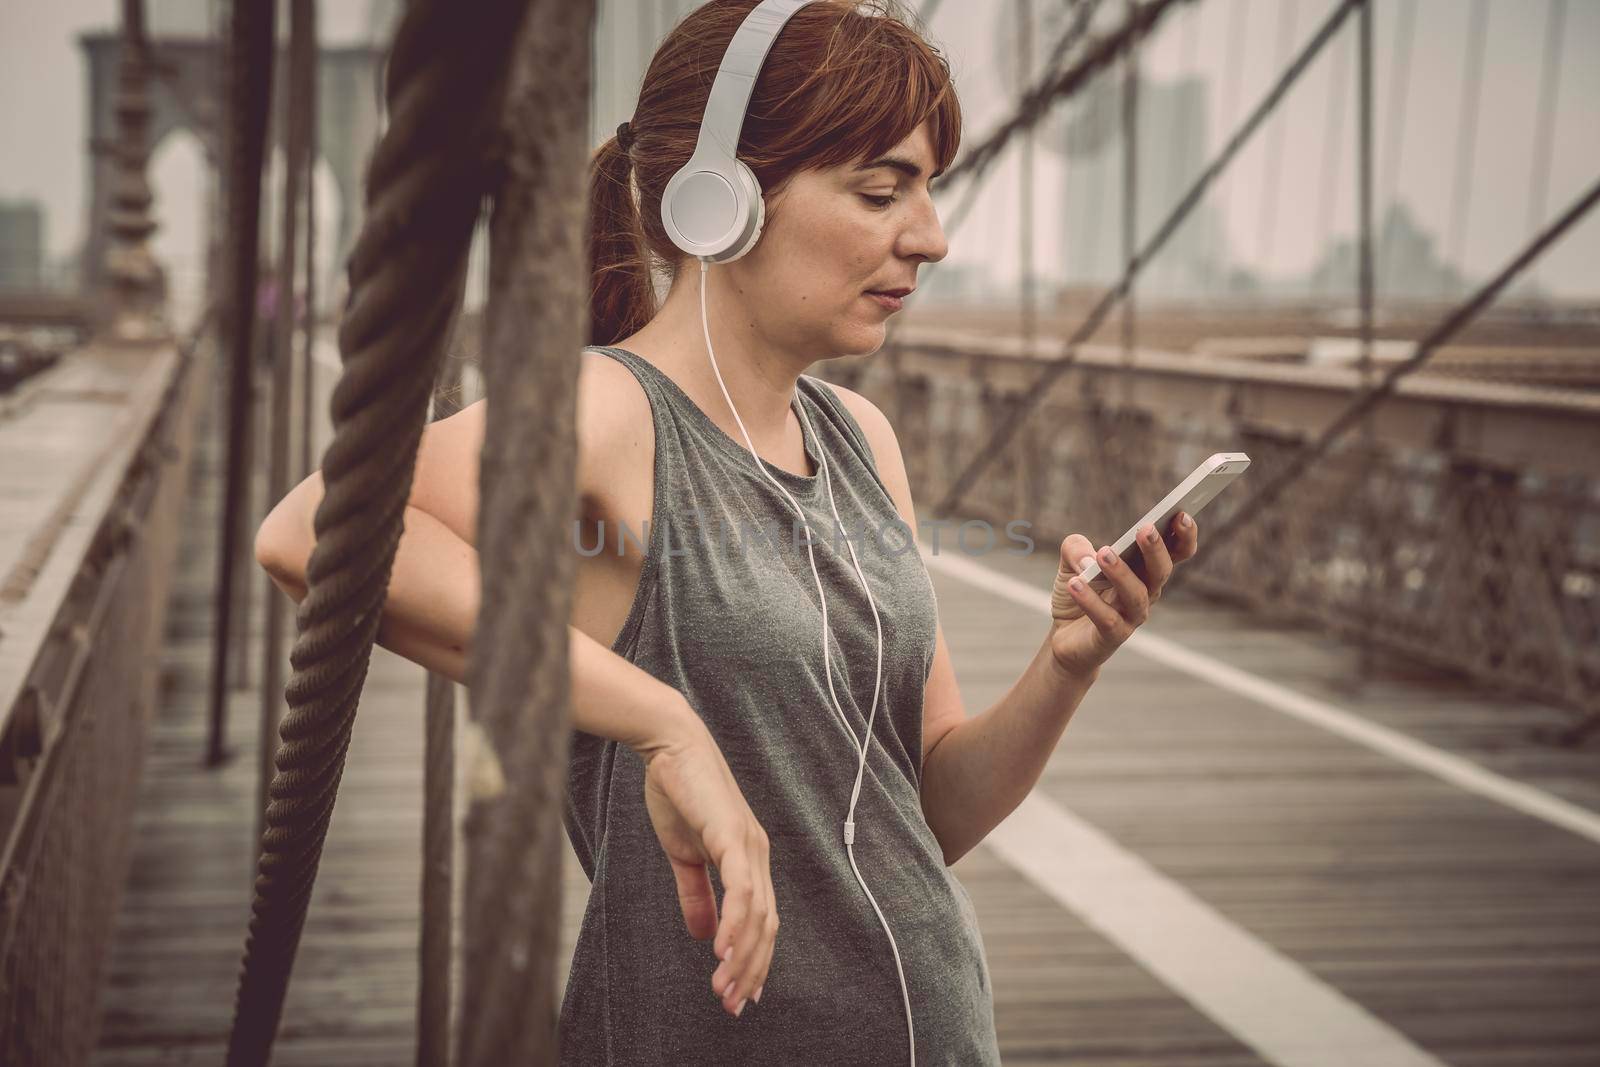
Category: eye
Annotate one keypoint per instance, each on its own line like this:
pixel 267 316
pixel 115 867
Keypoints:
pixel 878 201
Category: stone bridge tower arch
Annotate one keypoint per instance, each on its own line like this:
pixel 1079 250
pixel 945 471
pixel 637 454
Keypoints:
pixel 186 92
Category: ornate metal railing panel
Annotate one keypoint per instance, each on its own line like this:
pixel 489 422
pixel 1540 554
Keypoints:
pixel 1430 550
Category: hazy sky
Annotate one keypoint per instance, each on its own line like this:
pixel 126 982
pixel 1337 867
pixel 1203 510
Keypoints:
pixel 1502 168
pixel 43 124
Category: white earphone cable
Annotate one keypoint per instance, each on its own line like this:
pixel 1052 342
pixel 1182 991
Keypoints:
pixel 861 745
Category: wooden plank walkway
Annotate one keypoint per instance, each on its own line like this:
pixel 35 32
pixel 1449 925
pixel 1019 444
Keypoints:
pixel 1471 929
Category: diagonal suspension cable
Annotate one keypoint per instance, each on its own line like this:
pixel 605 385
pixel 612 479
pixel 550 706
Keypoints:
pixel 1030 398
pixel 1447 328
pixel 1037 102
pixel 1069 39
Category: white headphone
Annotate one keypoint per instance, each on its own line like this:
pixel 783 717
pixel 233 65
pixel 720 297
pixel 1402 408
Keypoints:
pixel 712 209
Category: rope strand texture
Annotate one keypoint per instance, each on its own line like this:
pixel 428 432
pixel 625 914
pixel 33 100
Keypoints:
pixel 425 183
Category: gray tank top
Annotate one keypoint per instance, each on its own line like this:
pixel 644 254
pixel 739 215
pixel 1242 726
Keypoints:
pixel 726 612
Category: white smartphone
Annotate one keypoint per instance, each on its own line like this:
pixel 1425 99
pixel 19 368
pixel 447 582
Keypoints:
pixel 1191 494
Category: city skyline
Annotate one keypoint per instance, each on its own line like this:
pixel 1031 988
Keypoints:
pixel 1310 215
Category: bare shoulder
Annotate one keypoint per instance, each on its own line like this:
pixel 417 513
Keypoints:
pixel 885 445
pixel 616 448
pixel 616 438
pixel 873 422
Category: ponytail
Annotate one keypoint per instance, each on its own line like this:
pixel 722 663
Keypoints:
pixel 621 295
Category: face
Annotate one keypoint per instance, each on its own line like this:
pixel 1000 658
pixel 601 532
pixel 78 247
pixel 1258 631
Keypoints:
pixel 832 236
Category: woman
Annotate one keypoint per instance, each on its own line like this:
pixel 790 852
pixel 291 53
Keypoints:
pixel 721 742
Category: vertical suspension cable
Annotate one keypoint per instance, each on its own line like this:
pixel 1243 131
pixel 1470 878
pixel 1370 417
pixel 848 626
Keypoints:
pixel 1130 200
pixel 1467 139
pixel 1328 184
pixel 1232 76
pixel 249 87
pixel 1183 134
pixel 1367 284
pixel 1364 275
pixel 1029 310
pixel 1272 160
pixel 308 99
pixel 1399 95
pixel 1545 139
pixel 282 347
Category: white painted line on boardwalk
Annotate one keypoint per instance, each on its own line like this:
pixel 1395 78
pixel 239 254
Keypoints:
pixel 1260 996
pixel 1266 1000
pixel 1392 743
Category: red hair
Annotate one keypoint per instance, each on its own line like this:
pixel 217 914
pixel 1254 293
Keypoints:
pixel 841 85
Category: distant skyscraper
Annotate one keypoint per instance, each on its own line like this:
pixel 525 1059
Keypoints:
pixel 21 244
pixel 178 18
pixel 1171 144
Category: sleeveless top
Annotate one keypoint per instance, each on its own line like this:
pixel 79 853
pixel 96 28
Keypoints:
pixel 726 612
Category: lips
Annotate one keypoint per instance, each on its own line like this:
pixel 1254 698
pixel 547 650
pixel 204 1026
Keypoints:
pixel 898 293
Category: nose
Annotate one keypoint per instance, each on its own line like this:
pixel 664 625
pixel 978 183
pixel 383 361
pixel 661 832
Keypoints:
pixel 923 236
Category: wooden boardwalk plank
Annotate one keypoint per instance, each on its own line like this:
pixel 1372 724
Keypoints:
pixel 1471 928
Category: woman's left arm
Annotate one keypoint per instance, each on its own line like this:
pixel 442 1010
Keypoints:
pixel 975 771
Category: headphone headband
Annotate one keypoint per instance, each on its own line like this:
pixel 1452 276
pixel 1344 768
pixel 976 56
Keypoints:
pixel 736 78
pixel 712 207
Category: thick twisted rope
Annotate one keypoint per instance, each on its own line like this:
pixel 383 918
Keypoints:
pixel 407 271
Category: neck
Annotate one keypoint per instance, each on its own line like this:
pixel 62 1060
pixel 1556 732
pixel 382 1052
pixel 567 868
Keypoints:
pixel 760 376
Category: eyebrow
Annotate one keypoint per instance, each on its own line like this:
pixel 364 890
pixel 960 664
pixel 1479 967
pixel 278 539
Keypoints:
pixel 904 166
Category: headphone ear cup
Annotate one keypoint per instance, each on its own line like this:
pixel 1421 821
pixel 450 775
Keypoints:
pixel 758 208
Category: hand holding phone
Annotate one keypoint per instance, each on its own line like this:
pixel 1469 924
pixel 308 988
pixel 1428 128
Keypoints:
pixel 1190 495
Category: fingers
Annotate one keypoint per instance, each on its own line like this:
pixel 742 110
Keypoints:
pixel 1185 536
pixel 766 944
pixel 696 897
pixel 1132 598
pixel 1073 549
pixel 1113 629
pixel 1157 560
pixel 749 923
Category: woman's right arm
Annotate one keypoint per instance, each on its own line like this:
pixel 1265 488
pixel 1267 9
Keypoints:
pixel 430 613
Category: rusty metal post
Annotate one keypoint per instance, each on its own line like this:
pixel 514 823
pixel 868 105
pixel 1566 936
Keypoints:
pixel 137 287
pixel 518 669
pixel 282 387
pixel 437 951
pixel 249 99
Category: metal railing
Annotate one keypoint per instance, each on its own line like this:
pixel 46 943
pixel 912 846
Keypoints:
pixel 1480 567
pixel 1433 552
pixel 70 761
